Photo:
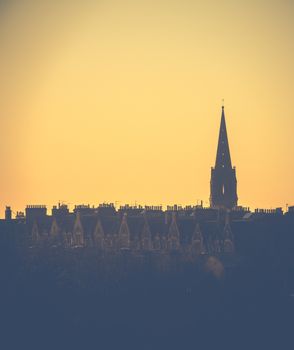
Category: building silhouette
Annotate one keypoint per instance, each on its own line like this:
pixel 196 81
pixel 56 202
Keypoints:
pixel 191 231
pixel 223 183
pixel 8 214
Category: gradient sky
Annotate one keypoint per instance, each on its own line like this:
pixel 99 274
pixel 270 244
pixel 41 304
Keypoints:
pixel 121 100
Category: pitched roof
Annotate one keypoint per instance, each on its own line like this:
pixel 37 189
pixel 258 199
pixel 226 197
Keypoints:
pixel 135 224
pixel 157 225
pixel 186 227
pixel 110 224
pixel 66 223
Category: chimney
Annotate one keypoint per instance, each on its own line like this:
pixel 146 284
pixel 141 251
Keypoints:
pixel 8 213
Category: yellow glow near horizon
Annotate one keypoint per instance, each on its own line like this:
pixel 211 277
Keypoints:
pixel 121 100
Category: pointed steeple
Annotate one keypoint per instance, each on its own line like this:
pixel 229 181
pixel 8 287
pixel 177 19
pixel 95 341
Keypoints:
pixel 223 158
pixel 223 183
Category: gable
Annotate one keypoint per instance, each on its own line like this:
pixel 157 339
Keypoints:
pixel 173 229
pixel 197 235
pixel 78 228
pixel 124 228
pixel 35 232
pixel 146 231
pixel 54 228
pixel 98 232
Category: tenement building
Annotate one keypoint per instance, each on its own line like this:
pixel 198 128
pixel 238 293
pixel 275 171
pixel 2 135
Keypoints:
pixel 222 228
pixel 194 231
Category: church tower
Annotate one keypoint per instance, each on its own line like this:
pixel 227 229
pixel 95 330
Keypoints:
pixel 223 182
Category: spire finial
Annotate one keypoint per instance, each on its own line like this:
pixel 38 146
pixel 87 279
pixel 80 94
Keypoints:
pixel 223 103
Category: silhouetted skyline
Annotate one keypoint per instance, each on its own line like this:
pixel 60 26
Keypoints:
pixel 223 187
pixel 114 101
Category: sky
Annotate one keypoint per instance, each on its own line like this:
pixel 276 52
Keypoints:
pixel 120 101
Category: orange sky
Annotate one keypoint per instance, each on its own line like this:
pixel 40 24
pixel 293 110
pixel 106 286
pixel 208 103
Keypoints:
pixel 121 100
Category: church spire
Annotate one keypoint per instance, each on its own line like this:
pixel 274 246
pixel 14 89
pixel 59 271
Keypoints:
pixel 223 183
pixel 223 158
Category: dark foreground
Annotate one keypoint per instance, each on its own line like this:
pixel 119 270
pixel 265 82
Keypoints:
pixel 64 301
